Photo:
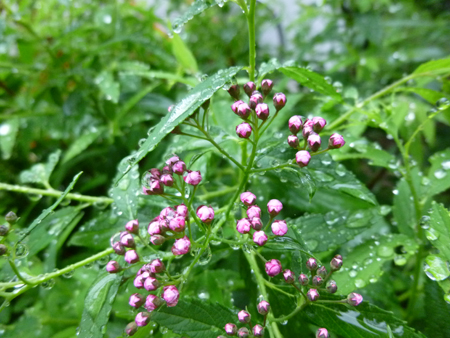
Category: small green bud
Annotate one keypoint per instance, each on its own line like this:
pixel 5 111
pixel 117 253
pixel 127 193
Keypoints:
pixel 4 229
pixel 3 249
pixel 11 217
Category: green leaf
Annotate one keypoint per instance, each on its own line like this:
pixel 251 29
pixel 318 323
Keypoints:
pixel 98 305
pixel 40 173
pixel 154 74
pixel 430 95
pixel 184 55
pixel 364 321
pixel 433 65
pixel 81 144
pixel 365 261
pixel 108 86
pixel 8 134
pixel 182 110
pixel 437 311
pixel 436 267
pixel 439 175
pixel 195 318
pixel 439 229
pixel 404 212
pixel 196 8
pixel 47 211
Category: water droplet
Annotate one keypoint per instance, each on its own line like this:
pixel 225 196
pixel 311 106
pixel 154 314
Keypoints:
pixel 68 274
pixel 447 298
pixel 205 258
pixel 359 283
pixel 353 273
pixel 400 260
pixel 177 28
pixel 436 268
pixel 385 251
pixel 432 234
pixel 163 330
pixel 338 86
pixel 443 103
pixel 440 174
pixel 21 251
pixel 34 197
pixel 48 284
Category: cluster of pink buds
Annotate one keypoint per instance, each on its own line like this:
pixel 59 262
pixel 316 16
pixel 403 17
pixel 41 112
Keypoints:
pixel 245 318
pixel 310 130
pixel 155 179
pixel 253 220
pixel 255 107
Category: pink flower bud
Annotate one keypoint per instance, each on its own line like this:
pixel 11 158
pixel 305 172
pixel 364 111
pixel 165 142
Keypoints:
pixel 167 170
pixel 243 110
pixel 260 238
pixel 177 224
pixel 170 295
pixel 157 266
pixel 244 130
pixel 118 248
pixel 293 141
pixel 128 241
pixel 193 178
pixel 318 123
pixel 302 158
pixel 151 284
pixel 322 333
pixel 206 214
pixel 255 99
pixel 354 299
pixel 303 279
pixel 157 239
pixel 167 180
pixel 243 332
pixel 263 307
pixel 256 223
pixel 258 330
pixel 167 212
pixel 230 329
pixel 139 281
pixel 179 168
pixel 314 142
pixel 244 317
pixel 279 101
pixel 336 141
pixel 295 124
pixel 317 280
pixel 156 188
pixel 266 86
pixel 307 130
pixel 154 228
pixel 336 263
pixel 152 303
pixel 322 271
pixel 254 211
pixel 331 286
pixel 262 111
pixel 113 267
pixel 235 105
pixel 181 246
pixel 234 91
pixel 249 88
pixel 171 161
pixel 131 257
pixel 312 295
pixel 136 300
pixel 131 329
pixel 274 207
pixel 182 210
pixel 142 318
pixel 243 226
pixel 273 267
pixel 155 173
pixel 132 226
pixel 279 228
pixel 289 276
pixel 311 264
pixel 248 198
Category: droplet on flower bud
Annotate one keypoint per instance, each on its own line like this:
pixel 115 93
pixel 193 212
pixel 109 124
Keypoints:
pixel 127 240
pixel 179 168
pixel 167 180
pixel 118 248
pixel 157 239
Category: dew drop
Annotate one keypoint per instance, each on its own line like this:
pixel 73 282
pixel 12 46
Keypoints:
pixel 48 284
pixel 385 251
pixel 443 103
pixel 21 251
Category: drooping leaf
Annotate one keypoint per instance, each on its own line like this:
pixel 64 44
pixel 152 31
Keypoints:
pixel 439 173
pixel 8 133
pixel 98 305
pixel 108 86
pixel 364 263
pixel 433 66
pixel 81 144
pixel 182 110
pixel 184 55
pixel 40 173
pixel 196 8
pixel 404 212
pixel 195 318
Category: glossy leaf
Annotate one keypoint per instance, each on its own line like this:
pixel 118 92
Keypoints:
pixel 430 95
pixel 183 55
pixel 438 232
pixel 439 173
pixel 404 211
pixel 98 305
pixel 108 86
pixel 436 267
pixel 195 9
pixel 8 134
pixel 81 144
pixel 433 66
pixel 40 173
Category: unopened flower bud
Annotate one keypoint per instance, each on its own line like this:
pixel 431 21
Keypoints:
pixel 289 276
pixel 273 267
pixel 234 91
pixel 293 141
pixel 260 238
pixel 181 246
pixel 279 228
pixel 258 330
pixel 314 141
pixel 167 180
pixel 254 211
pixel 4 250
pixel 118 248
pixel 248 198
pixel 318 123
pixel 243 110
pixel 171 295
pixel 152 302
pixel 243 332
pixel 303 279
pixel 307 130
pixel 354 299
pixel 322 271
pixel 249 88
pixel 332 286
pixel 154 228
pixel 193 178
pixel 11 218
pixel 336 263
pixel 235 106
pixel 182 210
pixel 230 329
pixel 311 264
pixel 127 240
pixel 139 281
pixel 302 158
pixel 266 86
pixel 255 99
pixel 244 130
pixel 295 124
pixel 131 329
pixel 156 188
pixel 136 300
pixel 336 141
pixel 256 223
pixel 171 161
pixel 322 333
pixel 111 267
pixel 279 101
pixel 244 317
pixel 205 105
pixel 274 207
pixel 263 307
pixel 157 266
pixel 177 224
pixel 131 257
pixel 205 213
pixel 179 168
pixel 157 239
pixel 132 226
pixel 142 318
pixel 262 111
pixel 4 229
pixel 167 170
pixel 317 280
pixel 243 226
pixel 312 295
pixel 151 284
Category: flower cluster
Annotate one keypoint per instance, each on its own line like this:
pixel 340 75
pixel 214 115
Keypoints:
pixel 253 220
pixel 255 105
pixel 245 318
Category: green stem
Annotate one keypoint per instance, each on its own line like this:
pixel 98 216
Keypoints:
pixel 292 314
pixel 251 40
pixel 17 272
pixel 281 166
